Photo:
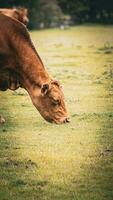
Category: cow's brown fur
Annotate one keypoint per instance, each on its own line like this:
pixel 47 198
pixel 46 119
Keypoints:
pixel 20 14
pixel 20 65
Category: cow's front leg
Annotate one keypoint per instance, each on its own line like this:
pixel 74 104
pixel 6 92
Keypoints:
pixel 3 85
pixel 2 120
pixel 13 83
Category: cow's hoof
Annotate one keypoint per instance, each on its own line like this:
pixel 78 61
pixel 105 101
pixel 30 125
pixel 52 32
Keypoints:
pixel 2 120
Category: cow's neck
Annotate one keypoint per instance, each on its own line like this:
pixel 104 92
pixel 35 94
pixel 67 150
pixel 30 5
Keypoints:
pixel 33 72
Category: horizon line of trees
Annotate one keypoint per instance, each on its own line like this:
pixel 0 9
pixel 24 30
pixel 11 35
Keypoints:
pixel 48 13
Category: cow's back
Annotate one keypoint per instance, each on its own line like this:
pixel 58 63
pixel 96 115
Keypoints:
pixel 16 47
pixel 12 32
pixel 9 25
pixel 16 13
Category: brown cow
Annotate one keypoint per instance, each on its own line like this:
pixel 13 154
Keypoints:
pixel 20 65
pixel 17 13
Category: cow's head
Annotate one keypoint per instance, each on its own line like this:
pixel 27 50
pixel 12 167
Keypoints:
pixel 21 14
pixel 49 100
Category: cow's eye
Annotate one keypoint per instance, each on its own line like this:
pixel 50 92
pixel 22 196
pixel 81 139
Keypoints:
pixel 55 102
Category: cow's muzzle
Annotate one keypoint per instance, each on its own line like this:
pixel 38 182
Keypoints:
pixel 64 120
pixel 60 121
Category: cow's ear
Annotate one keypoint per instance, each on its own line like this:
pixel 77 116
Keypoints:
pixel 45 88
pixel 55 82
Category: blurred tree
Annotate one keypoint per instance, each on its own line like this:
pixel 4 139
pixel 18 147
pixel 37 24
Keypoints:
pixel 88 10
pixel 50 12
pixel 46 13
pixel 76 8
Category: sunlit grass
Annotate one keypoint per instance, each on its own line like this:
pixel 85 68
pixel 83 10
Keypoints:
pixel 68 162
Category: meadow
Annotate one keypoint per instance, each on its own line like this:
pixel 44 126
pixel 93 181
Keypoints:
pixel 42 161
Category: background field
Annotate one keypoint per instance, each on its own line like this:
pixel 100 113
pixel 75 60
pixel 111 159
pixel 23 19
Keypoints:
pixel 42 161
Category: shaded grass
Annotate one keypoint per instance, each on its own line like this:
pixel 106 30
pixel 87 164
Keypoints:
pixel 68 162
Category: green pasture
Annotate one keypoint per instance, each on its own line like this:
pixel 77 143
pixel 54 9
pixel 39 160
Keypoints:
pixel 42 161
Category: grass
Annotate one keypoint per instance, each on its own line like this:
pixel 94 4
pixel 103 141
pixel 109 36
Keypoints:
pixel 41 161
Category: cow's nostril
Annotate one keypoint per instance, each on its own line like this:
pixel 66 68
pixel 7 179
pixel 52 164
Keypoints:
pixel 68 119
